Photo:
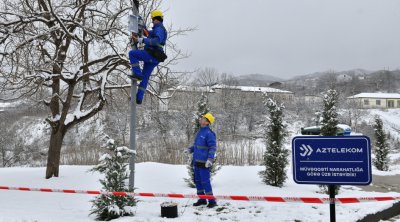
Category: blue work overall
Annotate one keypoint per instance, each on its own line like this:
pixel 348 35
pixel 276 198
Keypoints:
pixel 155 41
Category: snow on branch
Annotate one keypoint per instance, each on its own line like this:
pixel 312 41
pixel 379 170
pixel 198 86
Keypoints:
pixel 78 115
pixel 71 34
pixel 103 85
pixel 29 40
pixel 23 18
pixel 118 86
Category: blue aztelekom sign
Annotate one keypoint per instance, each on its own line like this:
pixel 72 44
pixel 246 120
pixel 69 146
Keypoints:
pixel 335 160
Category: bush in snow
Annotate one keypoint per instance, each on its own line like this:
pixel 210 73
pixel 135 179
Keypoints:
pixel 329 123
pixel 381 149
pixel 114 165
pixel 275 156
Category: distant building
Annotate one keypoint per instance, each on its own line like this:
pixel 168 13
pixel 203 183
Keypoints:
pixel 377 100
pixel 182 96
pixel 275 85
pixel 255 91
pixel 312 99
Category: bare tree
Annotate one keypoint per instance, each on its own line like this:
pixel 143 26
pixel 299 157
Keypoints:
pixel 327 81
pixel 207 77
pixel 187 113
pixel 354 114
pixel 13 149
pixel 231 104
pixel 70 55
pixel 5 143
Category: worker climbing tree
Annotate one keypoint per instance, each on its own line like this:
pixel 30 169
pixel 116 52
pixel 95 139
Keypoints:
pixel 151 55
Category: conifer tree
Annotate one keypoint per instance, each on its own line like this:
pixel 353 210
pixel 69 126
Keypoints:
pixel 275 156
pixel 114 165
pixel 202 108
pixel 381 149
pixel 190 181
pixel 329 122
pixel 329 115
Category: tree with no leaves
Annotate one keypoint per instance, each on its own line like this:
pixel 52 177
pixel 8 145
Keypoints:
pixel 69 54
pixel 207 77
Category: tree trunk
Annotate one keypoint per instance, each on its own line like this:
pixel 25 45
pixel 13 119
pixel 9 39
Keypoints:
pixel 53 156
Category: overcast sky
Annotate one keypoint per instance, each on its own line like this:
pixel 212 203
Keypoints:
pixel 285 38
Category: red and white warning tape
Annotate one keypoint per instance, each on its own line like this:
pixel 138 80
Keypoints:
pixel 314 200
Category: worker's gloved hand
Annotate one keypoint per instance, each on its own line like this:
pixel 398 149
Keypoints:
pixel 186 151
pixel 136 39
pixel 209 163
pixel 144 26
pixel 186 154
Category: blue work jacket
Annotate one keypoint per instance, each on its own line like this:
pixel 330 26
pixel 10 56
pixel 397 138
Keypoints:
pixel 204 146
pixel 157 38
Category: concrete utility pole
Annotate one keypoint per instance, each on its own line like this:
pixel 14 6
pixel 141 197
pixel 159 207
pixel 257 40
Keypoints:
pixel 132 137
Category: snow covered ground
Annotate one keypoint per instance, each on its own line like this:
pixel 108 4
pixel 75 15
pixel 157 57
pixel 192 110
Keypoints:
pixel 22 206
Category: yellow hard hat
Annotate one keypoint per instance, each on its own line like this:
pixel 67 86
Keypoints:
pixel 156 13
pixel 209 117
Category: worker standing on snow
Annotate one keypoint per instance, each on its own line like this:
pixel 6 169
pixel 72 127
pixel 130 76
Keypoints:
pixel 152 54
pixel 203 156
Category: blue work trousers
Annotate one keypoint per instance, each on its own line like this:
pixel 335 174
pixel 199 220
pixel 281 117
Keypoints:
pixel 203 183
pixel 149 63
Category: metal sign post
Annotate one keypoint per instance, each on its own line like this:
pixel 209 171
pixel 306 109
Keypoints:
pixel 332 160
pixel 332 210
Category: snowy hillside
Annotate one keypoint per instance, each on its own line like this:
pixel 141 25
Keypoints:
pixel 163 178
pixel 391 120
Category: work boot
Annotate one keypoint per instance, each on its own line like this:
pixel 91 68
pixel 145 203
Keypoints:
pixel 199 203
pixel 212 204
pixel 140 96
pixel 132 75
